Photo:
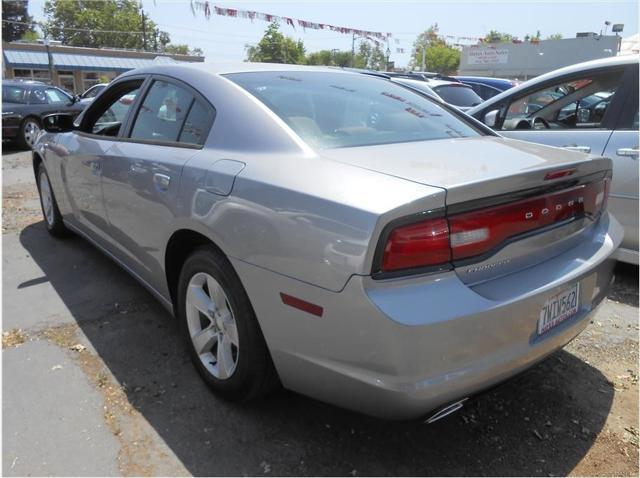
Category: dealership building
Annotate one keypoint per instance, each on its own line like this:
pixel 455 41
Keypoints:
pixel 528 59
pixel 73 68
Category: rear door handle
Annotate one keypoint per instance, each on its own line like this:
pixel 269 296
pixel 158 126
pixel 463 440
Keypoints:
pixel 579 149
pixel 629 152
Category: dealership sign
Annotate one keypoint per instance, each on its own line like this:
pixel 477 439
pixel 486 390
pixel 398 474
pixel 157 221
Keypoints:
pixel 488 56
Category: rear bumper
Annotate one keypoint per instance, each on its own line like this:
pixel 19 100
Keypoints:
pixel 401 348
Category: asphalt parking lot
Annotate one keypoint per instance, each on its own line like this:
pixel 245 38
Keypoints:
pixel 97 382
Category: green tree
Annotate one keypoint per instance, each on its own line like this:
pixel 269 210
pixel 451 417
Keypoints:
pixel 274 47
pixel 370 57
pixel 182 49
pixel 439 57
pixel 30 36
pixel 18 12
pixel 495 36
pixel 555 36
pixel 74 22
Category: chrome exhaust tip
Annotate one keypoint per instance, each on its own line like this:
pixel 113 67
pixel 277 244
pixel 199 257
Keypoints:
pixel 448 410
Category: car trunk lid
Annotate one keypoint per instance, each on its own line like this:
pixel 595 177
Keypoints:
pixel 509 204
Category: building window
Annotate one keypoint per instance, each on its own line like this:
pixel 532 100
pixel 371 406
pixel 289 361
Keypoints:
pixel 26 74
pixel 67 81
pixel 90 78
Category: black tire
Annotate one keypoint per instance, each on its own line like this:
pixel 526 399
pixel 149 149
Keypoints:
pixel 254 374
pixel 24 138
pixel 54 224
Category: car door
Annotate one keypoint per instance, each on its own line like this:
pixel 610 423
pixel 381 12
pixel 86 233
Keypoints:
pixel 86 151
pixel 141 177
pixel 622 148
pixel 577 111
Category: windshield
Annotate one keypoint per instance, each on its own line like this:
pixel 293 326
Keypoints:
pixel 330 110
pixel 458 95
pixel 13 94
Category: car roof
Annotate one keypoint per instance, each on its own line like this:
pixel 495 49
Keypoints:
pixel 610 62
pixel 23 83
pixel 488 80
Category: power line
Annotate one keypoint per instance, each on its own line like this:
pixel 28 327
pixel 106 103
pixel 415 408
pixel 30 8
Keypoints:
pixel 91 30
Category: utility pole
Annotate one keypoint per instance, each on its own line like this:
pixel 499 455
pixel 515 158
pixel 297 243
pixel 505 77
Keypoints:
pixel 424 58
pixel 353 49
pixel 144 30
pixel 49 59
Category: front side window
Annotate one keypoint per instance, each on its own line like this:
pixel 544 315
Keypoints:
pixel 576 103
pixel 56 96
pixel 38 97
pixel 162 113
pixel 106 117
pixel 330 110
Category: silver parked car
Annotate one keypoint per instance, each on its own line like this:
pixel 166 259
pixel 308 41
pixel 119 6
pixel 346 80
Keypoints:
pixel 590 107
pixel 333 232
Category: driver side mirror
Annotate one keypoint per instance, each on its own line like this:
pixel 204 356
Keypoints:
pixel 58 123
pixel 491 118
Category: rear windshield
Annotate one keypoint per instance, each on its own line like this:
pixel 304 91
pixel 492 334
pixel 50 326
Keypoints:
pixel 13 94
pixel 332 110
pixel 458 95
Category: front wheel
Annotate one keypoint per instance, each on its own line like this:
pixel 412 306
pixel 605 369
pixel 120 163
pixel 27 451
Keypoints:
pixel 50 211
pixel 221 329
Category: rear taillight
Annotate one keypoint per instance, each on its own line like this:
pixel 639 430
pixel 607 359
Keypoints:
pixel 438 241
pixel 420 244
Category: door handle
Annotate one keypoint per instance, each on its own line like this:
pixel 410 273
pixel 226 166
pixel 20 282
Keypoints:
pixel 579 149
pixel 628 152
pixel 162 181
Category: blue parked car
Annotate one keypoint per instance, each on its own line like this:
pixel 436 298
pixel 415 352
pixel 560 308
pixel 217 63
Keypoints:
pixel 487 87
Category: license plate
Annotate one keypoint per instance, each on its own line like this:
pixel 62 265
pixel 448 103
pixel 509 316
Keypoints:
pixel 557 309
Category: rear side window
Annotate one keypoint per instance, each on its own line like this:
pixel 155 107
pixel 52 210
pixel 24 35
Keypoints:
pixel 197 124
pixel 162 113
pixel 458 95
pixel 330 110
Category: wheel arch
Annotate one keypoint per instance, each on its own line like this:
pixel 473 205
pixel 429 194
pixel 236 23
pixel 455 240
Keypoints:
pixel 36 160
pixel 179 247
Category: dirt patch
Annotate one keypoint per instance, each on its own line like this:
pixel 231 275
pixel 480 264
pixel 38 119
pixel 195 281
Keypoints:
pixel 13 338
pixel 20 207
pixel 136 446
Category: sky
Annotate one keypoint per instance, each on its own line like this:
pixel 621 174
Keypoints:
pixel 223 39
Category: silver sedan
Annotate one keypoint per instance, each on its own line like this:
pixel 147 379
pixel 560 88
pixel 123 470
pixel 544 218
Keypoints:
pixel 338 234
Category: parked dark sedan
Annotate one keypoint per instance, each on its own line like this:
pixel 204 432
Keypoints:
pixel 24 103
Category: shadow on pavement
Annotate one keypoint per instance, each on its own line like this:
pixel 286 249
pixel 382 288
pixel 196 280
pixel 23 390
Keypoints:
pixel 540 423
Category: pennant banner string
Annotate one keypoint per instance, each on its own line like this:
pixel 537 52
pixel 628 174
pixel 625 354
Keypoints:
pixel 207 9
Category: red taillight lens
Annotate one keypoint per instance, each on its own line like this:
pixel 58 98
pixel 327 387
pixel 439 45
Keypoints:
pixel 478 232
pixel 421 244
pixel 438 241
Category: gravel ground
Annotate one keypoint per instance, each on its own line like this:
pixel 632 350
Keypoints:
pixel 96 382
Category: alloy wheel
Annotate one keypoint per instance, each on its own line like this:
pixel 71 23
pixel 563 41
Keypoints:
pixel 212 326
pixel 30 131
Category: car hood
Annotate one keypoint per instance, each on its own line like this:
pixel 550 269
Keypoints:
pixel 469 168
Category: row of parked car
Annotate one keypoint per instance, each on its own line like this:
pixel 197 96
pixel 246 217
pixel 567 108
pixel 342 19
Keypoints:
pixel 25 103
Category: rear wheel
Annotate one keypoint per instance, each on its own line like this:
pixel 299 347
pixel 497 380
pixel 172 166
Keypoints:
pixel 29 130
pixel 50 211
pixel 221 330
